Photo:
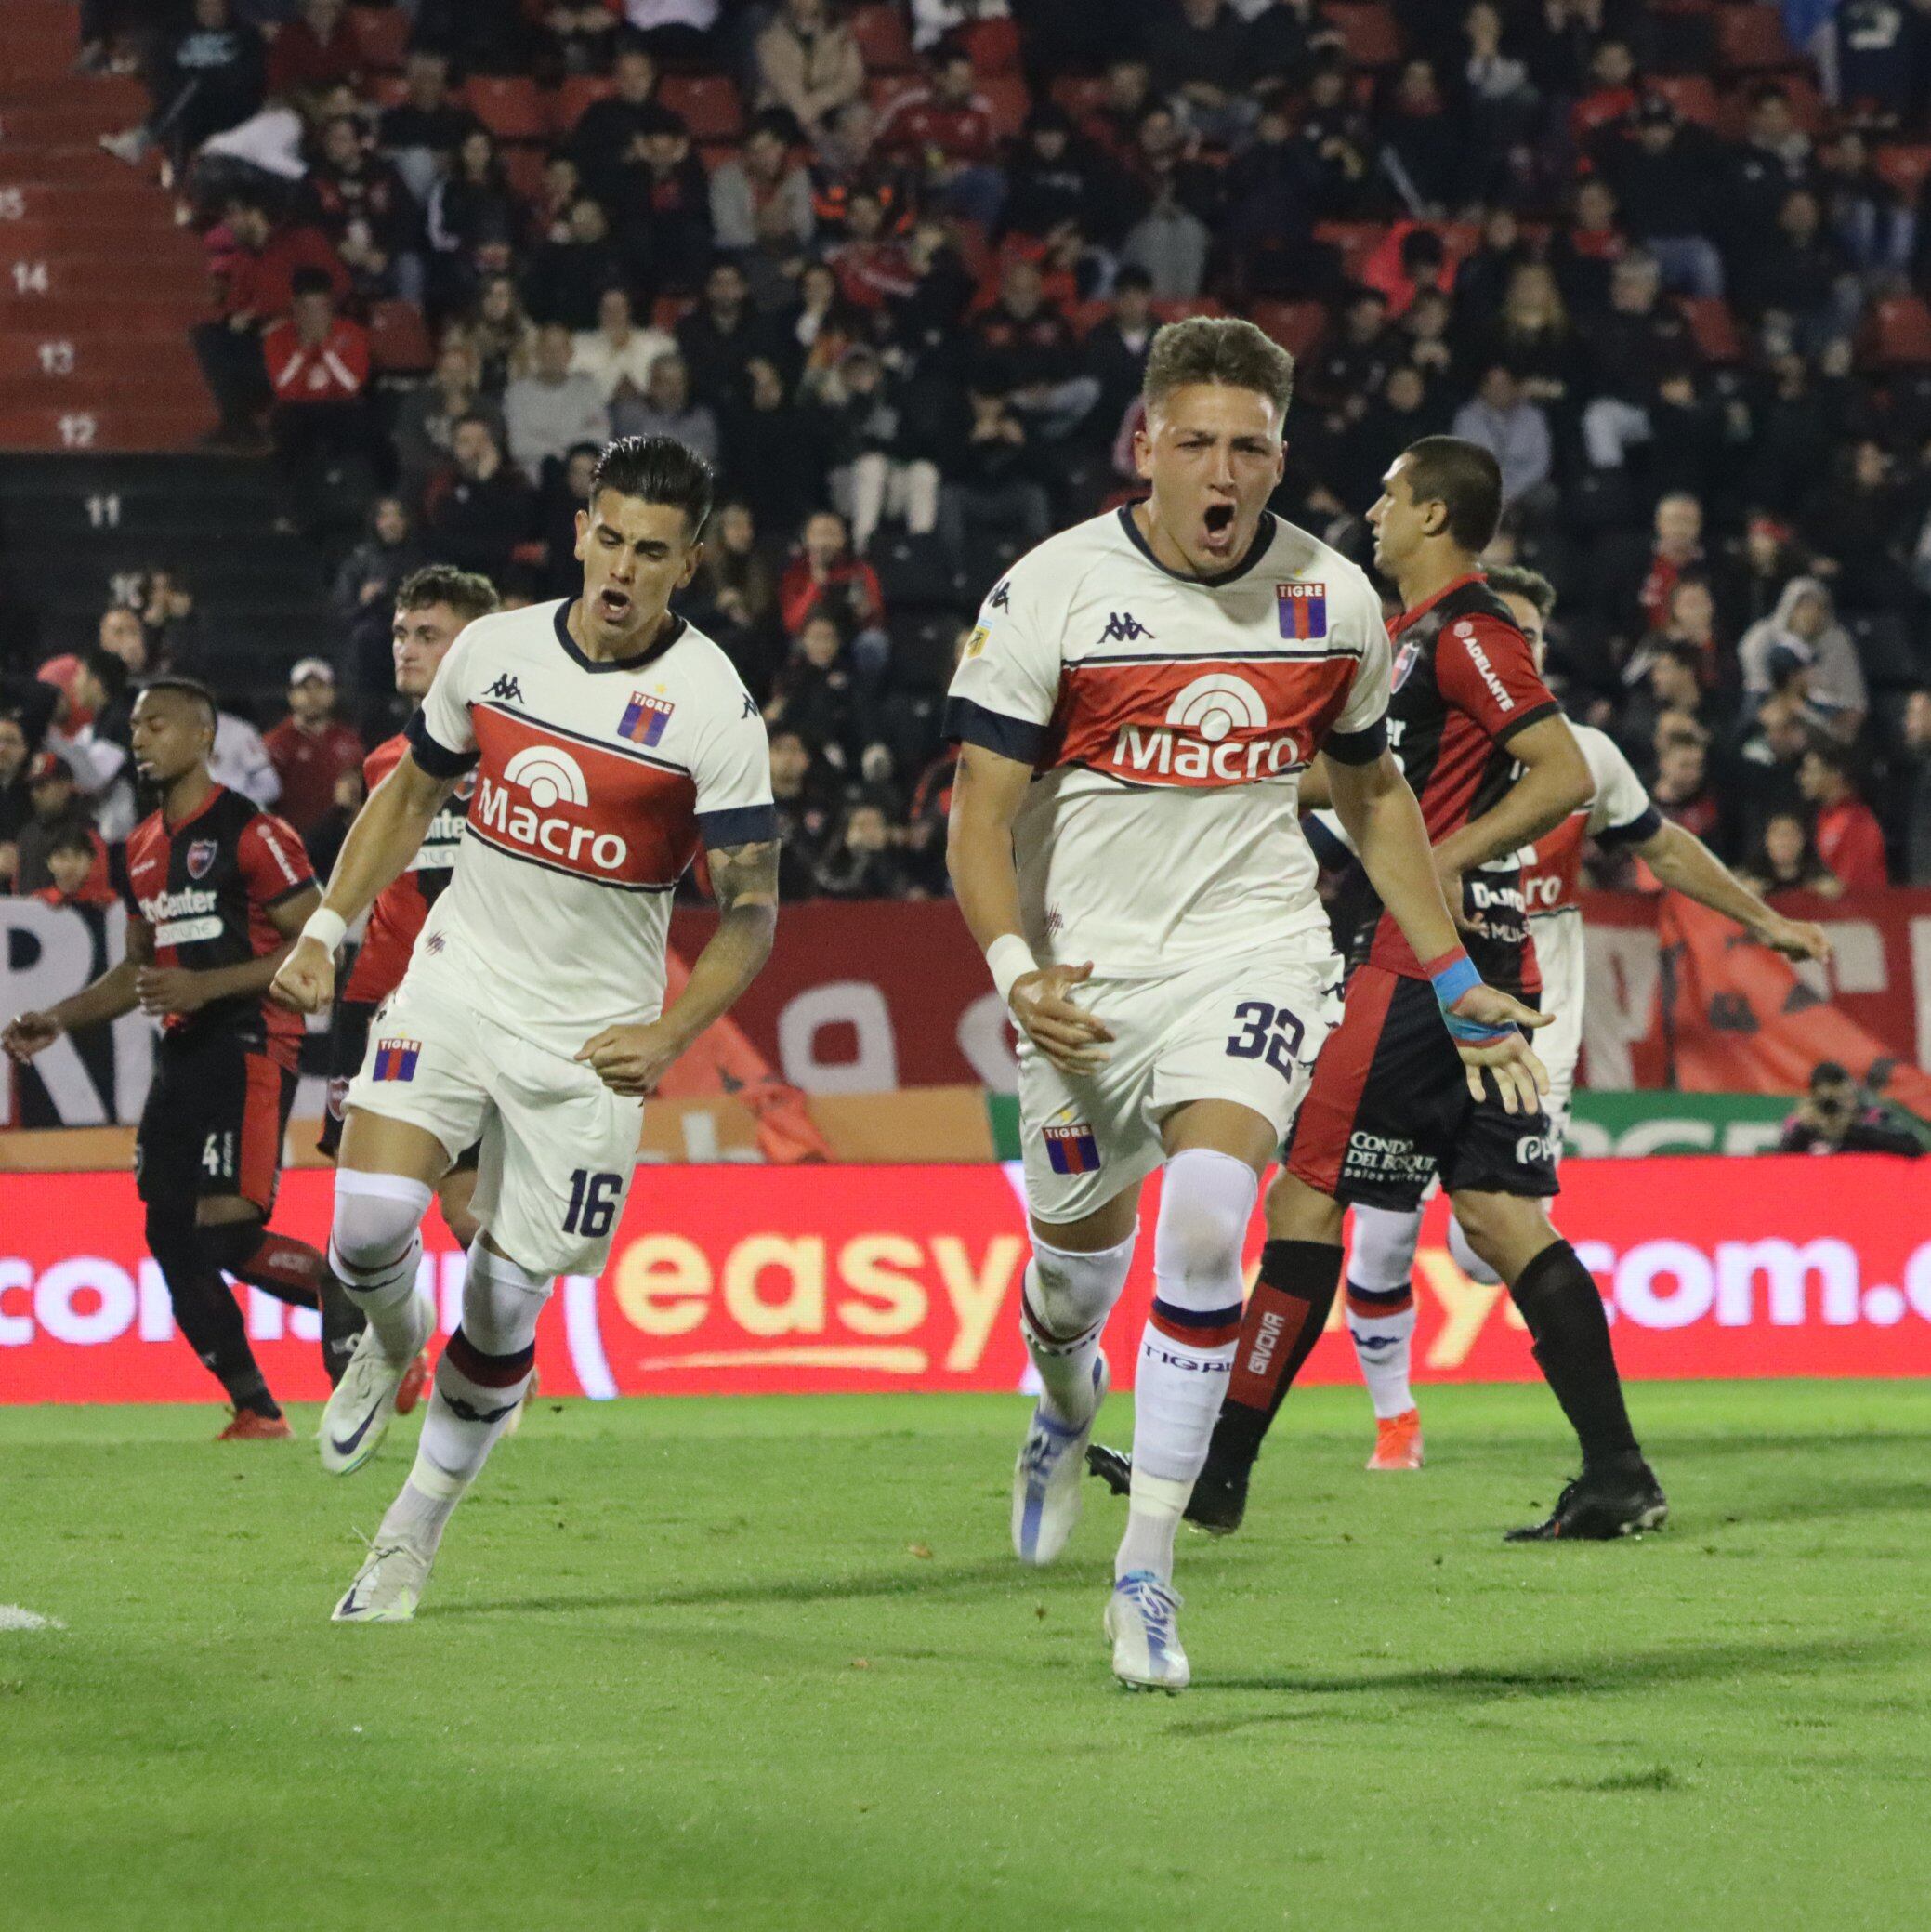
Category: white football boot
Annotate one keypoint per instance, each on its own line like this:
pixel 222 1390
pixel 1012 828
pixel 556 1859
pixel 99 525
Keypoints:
pixel 1140 1620
pixel 388 1585
pixel 1049 1477
pixel 364 1402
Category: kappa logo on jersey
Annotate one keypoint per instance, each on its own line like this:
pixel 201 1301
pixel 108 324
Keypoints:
pixel 644 719
pixel 1000 598
pixel 1303 609
pixel 200 858
pixel 395 1059
pixel 506 688
pixel 1204 740
pixel 1072 1149
pixel 1123 628
pixel 552 778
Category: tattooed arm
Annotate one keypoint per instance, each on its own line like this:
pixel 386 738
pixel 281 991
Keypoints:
pixel 632 1060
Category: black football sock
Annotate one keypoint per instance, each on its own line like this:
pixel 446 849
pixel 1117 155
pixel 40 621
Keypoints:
pixel 207 1313
pixel 287 1269
pixel 342 1326
pixel 1563 1308
pixel 1282 1321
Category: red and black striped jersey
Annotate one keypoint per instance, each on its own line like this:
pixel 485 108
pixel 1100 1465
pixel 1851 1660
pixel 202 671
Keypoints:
pixel 397 916
pixel 1465 682
pixel 205 887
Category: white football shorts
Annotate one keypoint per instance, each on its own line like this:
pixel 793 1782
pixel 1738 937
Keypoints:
pixel 1246 1029
pixel 557 1148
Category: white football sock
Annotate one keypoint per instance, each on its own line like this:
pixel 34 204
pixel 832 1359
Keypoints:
pixel 1186 1348
pixel 1063 1313
pixel 1382 1329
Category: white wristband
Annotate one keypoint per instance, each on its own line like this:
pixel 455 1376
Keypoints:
pixel 327 928
pixel 1009 956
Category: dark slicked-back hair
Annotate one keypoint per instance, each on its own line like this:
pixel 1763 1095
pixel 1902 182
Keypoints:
pixel 468 593
pixel 1531 586
pixel 191 688
pixel 1222 349
pixel 658 469
pixel 1465 479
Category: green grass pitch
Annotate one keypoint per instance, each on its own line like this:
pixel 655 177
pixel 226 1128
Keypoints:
pixel 766 1664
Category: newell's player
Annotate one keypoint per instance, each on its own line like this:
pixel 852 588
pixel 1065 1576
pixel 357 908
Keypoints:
pixel 609 739
pixel 432 605
pixel 1381 1257
pixel 218 890
pixel 1134 711
pixel 1389 1107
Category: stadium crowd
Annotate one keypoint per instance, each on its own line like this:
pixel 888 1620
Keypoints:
pixel 896 270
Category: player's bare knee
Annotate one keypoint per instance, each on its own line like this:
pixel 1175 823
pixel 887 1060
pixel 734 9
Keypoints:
pixel 1297 1211
pixel 1505 1230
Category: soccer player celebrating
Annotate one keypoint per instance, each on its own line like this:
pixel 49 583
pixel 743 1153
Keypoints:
pixel 218 890
pixel 609 740
pixel 1134 710
pixel 1380 1294
pixel 432 605
pixel 1390 1108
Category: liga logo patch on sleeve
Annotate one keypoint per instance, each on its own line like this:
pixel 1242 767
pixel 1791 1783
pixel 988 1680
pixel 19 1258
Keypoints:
pixel 1303 609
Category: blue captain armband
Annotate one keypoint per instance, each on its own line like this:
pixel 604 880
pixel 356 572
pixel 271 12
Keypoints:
pixel 1452 975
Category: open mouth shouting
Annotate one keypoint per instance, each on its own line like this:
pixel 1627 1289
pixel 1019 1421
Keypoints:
pixel 1217 523
pixel 614 605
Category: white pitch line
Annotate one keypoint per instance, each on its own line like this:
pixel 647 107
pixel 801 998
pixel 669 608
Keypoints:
pixel 13 1617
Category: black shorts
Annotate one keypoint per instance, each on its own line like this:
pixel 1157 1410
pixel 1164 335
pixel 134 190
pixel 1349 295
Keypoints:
pixel 216 1113
pixel 349 1042
pixel 1389 1108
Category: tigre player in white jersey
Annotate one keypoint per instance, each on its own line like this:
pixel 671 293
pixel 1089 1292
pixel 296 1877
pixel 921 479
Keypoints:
pixel 1381 1314
pixel 609 739
pixel 1134 711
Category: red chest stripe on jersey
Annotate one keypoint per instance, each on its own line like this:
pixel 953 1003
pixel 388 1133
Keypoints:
pixel 1204 723
pixel 564 802
pixel 1549 879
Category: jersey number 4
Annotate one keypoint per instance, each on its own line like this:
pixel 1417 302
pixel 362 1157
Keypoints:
pixel 592 1202
pixel 1268 1032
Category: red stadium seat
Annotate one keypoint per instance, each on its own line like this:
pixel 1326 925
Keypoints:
pixel 1714 328
pixel 577 92
pixel 1009 99
pixel 883 41
pixel 381 34
pixel 1355 240
pixel 708 102
pixel 993 44
pixel 883 89
pixel 1180 309
pixel 1905 165
pixel 398 339
pixel 522 167
pixel 508 105
pixel 1368 30
pixel 1899 332
pixel 1080 94
pixel 1297 327
pixel 1749 39
pixel 387 89
pixel 667 311
pixel 1692 95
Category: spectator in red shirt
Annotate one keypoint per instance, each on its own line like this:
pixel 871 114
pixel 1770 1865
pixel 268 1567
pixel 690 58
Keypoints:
pixel 311 748
pixel 315 50
pixel 318 368
pixel 1849 839
pixel 255 264
pixel 825 579
pixel 947 132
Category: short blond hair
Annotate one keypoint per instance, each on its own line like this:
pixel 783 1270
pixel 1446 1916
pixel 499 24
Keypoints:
pixel 1217 348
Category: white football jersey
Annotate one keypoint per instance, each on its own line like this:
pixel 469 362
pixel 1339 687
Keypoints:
pixel 1619 810
pixel 1169 720
pixel 595 782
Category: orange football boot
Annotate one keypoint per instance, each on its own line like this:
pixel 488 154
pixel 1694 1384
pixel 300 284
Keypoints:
pixel 1397 1441
pixel 250 1426
pixel 415 1378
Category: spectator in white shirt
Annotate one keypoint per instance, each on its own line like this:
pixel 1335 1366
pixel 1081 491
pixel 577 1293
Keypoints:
pixel 550 411
pixel 240 760
pixel 617 354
